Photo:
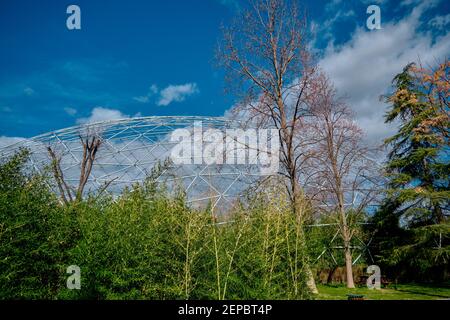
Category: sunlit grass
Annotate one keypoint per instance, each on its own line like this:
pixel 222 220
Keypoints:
pixel 401 292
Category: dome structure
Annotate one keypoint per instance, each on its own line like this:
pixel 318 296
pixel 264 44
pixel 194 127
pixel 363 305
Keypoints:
pixel 130 149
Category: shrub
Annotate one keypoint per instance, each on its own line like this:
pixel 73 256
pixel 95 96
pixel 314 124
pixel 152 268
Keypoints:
pixel 32 239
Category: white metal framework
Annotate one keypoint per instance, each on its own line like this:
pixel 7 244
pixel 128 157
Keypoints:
pixel 129 150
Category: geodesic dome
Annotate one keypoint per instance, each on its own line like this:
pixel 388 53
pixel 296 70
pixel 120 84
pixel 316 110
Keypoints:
pixel 129 150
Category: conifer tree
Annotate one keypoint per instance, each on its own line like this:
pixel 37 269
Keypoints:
pixel 418 171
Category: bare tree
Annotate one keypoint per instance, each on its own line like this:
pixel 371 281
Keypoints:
pixel 90 149
pixel 265 53
pixel 339 166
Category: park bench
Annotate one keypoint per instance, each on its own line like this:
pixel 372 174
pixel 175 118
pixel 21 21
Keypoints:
pixel 355 296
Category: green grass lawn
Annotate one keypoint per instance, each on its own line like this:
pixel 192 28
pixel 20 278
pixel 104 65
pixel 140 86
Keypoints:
pixel 403 292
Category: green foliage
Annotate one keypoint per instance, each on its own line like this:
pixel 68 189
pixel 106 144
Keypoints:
pixel 262 254
pixel 147 245
pixel 324 234
pixel 412 225
pixel 144 244
pixel 131 248
pixel 418 163
pixel 31 242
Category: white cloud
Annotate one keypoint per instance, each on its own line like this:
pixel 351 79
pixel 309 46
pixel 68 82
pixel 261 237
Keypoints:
pixel 171 93
pixel 28 91
pixel 142 99
pixel 406 3
pixel 440 22
pixel 325 28
pixel 102 114
pixel 70 111
pixel 153 89
pixel 363 67
pixel 176 93
pixel 151 92
pixel 331 5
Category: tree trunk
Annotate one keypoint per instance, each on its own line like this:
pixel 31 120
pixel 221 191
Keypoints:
pixel 330 274
pixel 348 266
pixel 297 208
pixel 347 249
pixel 311 282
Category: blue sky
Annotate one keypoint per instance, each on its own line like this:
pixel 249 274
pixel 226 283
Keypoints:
pixel 156 57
